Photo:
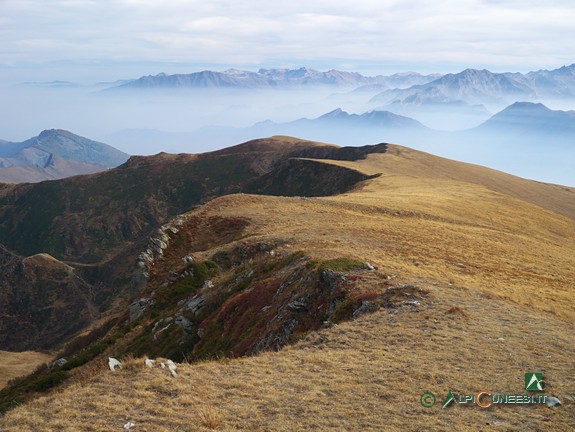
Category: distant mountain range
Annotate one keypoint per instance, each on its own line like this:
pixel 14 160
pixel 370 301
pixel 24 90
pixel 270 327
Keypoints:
pixel 274 78
pixel 473 86
pixel 524 131
pixel 334 126
pixel 55 154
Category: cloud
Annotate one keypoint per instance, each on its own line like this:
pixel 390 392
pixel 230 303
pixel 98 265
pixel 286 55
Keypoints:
pixel 474 32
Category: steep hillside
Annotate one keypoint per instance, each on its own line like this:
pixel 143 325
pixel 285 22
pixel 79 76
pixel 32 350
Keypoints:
pixel 43 302
pixel 98 224
pixel 87 219
pixel 53 168
pixel 442 268
pixel 55 154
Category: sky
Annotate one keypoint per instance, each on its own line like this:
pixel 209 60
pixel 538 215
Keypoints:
pixel 92 40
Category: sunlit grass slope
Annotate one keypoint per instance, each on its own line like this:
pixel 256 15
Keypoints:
pixel 496 255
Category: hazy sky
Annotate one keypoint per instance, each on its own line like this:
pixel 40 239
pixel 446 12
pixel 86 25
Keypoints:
pixel 112 39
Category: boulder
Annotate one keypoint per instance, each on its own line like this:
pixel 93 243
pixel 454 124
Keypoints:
pixel 138 308
pixel 195 304
pixel 297 305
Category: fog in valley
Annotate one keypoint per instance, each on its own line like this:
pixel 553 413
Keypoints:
pixel 529 140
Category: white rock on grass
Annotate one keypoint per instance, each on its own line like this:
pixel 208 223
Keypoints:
pixel 114 363
pixel 172 366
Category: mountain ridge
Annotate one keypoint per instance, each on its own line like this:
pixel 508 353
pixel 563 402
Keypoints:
pixel 268 78
pixel 422 252
pixel 99 223
pixel 482 87
pixel 54 154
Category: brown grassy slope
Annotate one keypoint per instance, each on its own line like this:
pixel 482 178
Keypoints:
pixel 404 161
pixel 58 168
pixel 444 230
pixel 504 267
pixel 16 364
pixel 364 375
pixel 42 302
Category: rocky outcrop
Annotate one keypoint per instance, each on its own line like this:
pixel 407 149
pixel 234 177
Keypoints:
pixel 253 297
pixel 108 226
pixel 158 243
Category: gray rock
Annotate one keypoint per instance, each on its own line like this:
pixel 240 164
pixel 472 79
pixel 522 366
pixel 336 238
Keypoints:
pixel 162 321
pixel 187 328
pixel 195 304
pixel 60 362
pixel 146 256
pixel 245 276
pixel 297 306
pixel 188 259
pixel 552 401
pixel 137 308
pixel 159 243
pixel 162 236
pixel 207 285
pixel 366 306
pixel 331 280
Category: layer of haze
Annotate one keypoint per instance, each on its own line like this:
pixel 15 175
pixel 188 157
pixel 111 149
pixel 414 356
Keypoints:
pixel 198 120
pixel 85 42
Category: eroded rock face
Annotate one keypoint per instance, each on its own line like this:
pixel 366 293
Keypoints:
pixel 137 308
pixel 195 304
pixel 256 300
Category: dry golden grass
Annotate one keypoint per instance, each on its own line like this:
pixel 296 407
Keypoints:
pixel 441 230
pixel 17 364
pixel 367 374
pixel 499 266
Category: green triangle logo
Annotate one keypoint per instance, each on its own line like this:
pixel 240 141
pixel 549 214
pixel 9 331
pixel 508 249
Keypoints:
pixel 448 399
pixel 534 381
